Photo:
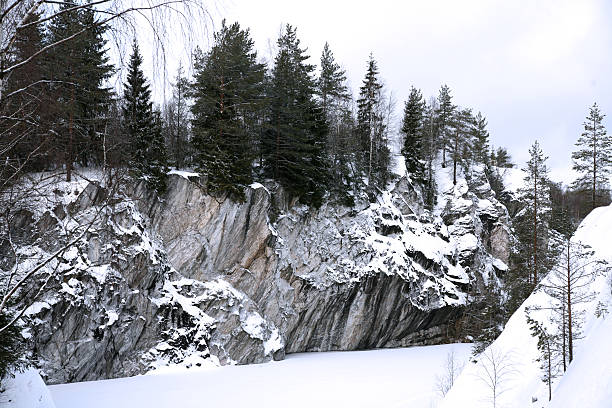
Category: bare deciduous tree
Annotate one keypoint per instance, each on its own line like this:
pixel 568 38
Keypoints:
pixel 452 369
pixel 496 371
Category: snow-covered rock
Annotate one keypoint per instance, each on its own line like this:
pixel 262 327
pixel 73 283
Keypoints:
pixel 193 280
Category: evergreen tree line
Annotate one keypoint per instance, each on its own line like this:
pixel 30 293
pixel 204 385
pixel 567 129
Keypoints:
pixel 546 217
pixel 235 121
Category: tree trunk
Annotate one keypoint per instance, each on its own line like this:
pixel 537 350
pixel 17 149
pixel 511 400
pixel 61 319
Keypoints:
pixel 535 228
pixel 594 167
pixel 70 126
pixel 569 308
pixel 455 160
pixel 549 357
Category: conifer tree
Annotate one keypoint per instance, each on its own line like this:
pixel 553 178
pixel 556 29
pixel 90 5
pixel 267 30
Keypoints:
pixel 227 93
pixel 535 194
pixel 25 116
pixel 294 141
pixel 79 69
pixel 335 101
pixel 142 126
pixel 331 84
pixel 546 350
pixel 373 129
pixel 444 115
pixel 481 139
pixel 412 128
pixel 176 113
pixel 459 139
pixel 569 283
pixel 429 152
pixel 593 160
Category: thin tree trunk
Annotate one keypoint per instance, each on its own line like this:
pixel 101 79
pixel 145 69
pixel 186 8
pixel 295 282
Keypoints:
pixel 535 228
pixel 569 308
pixel 594 166
pixel 455 160
pixel 70 126
pixel 549 369
pixel 563 336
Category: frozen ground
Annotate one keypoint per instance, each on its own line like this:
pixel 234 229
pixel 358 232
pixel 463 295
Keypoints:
pixel 378 378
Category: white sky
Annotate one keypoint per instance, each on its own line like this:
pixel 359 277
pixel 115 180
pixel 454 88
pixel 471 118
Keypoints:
pixel 532 67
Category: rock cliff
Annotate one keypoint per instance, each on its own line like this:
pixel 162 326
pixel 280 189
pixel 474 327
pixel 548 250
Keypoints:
pixel 193 279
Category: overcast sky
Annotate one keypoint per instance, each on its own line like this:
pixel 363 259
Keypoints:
pixel 533 68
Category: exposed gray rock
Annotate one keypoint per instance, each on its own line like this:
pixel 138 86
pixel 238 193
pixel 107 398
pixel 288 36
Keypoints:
pixel 194 279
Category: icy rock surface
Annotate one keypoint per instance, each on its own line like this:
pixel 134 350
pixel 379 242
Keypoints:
pixel 194 280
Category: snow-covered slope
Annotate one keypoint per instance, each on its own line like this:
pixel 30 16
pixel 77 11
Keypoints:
pixel 516 349
pixel 588 380
pixel 25 390
pixel 390 378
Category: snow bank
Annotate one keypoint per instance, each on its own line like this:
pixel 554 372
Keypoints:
pixel 26 390
pixel 389 378
pixel 588 381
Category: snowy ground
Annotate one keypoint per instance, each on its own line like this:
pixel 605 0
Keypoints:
pixel 378 378
pixel 25 390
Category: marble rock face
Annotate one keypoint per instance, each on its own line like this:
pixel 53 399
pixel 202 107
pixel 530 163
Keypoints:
pixel 193 279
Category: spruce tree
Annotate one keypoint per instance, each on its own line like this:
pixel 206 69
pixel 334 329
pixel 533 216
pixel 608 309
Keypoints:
pixel 336 104
pixel 444 115
pixel 143 127
pixel 294 141
pixel 593 159
pixel 79 70
pixel 412 128
pixel 227 91
pixel 95 95
pixel 331 84
pixel 372 129
pixel 25 116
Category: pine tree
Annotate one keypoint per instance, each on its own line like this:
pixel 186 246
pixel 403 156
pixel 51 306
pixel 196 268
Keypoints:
pixel 412 128
pixel 228 91
pixel 429 151
pixel 569 283
pixel 444 115
pixel 501 158
pixel 142 126
pixel 459 140
pixel 95 95
pixel 176 113
pixel 535 196
pixel 594 157
pixel 331 84
pixel 373 129
pixel 481 139
pixel 547 352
